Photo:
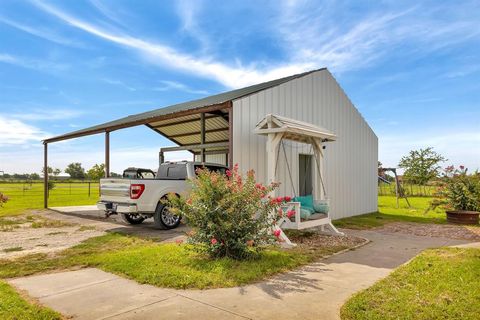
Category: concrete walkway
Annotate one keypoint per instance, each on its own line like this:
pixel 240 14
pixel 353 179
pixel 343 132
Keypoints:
pixel 316 291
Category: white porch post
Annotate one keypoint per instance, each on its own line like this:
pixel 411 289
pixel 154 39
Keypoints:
pixel 273 143
pixel 318 154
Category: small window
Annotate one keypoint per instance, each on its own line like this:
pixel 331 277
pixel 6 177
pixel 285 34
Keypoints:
pixel 177 172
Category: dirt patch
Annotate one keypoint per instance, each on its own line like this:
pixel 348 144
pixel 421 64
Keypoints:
pixel 41 240
pixel 47 231
pixel 433 230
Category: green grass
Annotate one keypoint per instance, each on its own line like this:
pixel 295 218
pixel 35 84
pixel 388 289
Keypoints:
pixel 163 265
pixel 438 284
pixel 26 196
pixel 388 212
pixel 15 307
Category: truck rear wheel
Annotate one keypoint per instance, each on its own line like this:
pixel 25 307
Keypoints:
pixel 164 218
pixel 132 219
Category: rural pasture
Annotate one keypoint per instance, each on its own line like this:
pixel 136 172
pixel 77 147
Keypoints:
pixel 29 195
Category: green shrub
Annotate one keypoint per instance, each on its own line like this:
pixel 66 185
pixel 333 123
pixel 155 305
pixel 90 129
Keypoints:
pixel 231 216
pixel 458 190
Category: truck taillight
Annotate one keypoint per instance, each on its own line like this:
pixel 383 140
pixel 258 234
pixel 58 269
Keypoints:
pixel 136 190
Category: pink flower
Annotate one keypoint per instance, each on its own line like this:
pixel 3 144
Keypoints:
pixel 179 241
pixel 228 173
pixel 277 233
pixel 290 213
pixel 287 198
pixel 462 167
pixel 213 241
pixel 279 199
pixel 258 186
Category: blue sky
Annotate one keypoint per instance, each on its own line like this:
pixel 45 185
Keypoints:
pixel 411 68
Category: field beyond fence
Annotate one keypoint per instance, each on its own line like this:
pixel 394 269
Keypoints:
pixel 29 194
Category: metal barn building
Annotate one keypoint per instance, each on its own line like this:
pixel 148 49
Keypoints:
pixel 227 128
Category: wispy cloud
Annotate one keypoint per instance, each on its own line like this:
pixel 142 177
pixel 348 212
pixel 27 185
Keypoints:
pixel 48 114
pixel 187 11
pixel 174 85
pixel 119 83
pixel 169 57
pixel 42 32
pixel 324 35
pixel 35 64
pixel 16 132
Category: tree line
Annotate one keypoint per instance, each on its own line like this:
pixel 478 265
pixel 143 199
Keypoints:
pixel 74 170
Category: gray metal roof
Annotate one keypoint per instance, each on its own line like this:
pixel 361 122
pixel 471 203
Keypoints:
pixel 155 115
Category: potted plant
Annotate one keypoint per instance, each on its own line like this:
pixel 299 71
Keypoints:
pixel 459 194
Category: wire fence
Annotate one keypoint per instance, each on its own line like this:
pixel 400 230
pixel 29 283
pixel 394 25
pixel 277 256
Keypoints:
pixel 412 190
pixel 59 188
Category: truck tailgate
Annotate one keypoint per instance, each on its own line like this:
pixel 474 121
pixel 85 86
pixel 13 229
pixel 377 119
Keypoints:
pixel 115 190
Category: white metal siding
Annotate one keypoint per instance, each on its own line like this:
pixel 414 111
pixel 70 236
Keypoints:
pixel 350 162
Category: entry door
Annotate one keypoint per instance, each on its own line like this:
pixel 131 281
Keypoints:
pixel 305 174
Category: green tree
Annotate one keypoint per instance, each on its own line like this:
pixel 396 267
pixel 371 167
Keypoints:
pixel 56 172
pixel 421 165
pixel 49 170
pixel 96 172
pixel 75 170
pixel 35 176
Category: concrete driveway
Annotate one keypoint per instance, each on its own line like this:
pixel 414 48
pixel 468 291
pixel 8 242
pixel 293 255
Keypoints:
pixel 316 291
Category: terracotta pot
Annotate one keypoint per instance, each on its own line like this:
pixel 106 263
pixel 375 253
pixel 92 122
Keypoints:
pixel 463 217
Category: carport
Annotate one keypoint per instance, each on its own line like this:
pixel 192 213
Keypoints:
pixel 201 127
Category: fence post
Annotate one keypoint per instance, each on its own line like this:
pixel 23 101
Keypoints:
pixel 89 189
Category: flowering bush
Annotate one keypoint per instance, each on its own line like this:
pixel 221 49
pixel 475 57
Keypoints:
pixel 231 215
pixel 3 199
pixel 458 190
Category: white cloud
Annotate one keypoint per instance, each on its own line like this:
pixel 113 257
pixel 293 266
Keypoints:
pixel 119 83
pixel 16 132
pixel 174 85
pixel 36 64
pixel 41 32
pixel 169 57
pixel 47 114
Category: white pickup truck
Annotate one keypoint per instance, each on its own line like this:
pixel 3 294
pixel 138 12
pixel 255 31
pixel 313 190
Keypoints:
pixel 139 194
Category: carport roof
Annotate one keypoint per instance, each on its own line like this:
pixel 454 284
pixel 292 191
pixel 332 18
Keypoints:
pixel 163 113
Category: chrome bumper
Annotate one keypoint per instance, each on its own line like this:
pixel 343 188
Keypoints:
pixel 117 207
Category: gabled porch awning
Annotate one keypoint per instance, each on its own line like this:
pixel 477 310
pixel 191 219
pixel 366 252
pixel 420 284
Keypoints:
pixel 293 129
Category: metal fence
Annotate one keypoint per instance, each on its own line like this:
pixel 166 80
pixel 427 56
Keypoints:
pixel 412 190
pixel 60 188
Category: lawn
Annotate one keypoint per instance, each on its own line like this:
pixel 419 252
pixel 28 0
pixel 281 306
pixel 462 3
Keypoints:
pixel 438 284
pixel 24 196
pixel 164 265
pixel 388 212
pixel 15 307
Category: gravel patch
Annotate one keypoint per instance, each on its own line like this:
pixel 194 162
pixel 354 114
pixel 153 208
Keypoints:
pixel 313 239
pixel 433 230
